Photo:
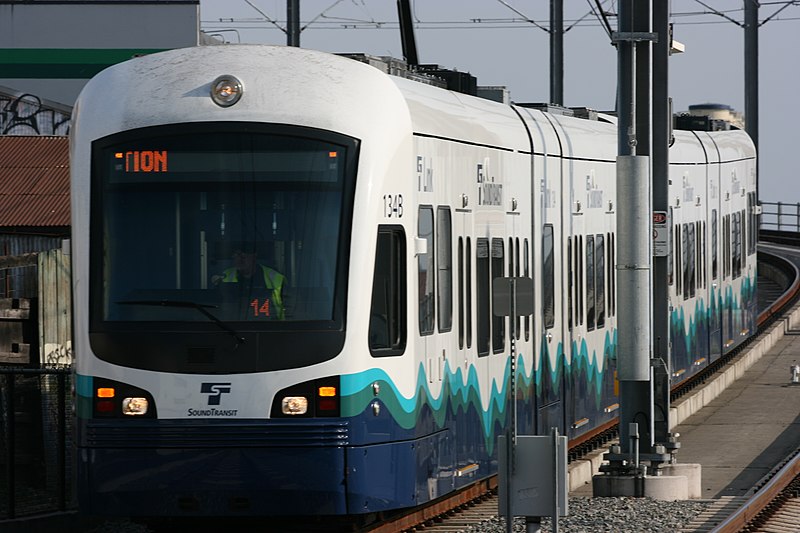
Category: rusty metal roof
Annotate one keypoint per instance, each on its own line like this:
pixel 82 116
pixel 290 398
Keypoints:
pixel 34 181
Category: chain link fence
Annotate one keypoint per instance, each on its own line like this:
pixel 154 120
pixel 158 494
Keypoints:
pixel 36 399
pixel 36 441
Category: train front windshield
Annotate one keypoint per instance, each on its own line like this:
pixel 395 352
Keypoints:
pixel 233 228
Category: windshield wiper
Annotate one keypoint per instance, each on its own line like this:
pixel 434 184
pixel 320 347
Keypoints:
pixel 203 308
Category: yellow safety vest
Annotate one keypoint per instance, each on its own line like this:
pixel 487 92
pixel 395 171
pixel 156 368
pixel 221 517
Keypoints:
pixel 273 280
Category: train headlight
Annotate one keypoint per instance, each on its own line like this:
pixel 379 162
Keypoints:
pixel 226 90
pixel 134 406
pixel 294 405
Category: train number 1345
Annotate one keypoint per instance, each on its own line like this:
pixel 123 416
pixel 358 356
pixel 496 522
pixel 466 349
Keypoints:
pixel 393 205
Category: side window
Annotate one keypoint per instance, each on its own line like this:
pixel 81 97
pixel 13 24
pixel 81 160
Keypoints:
pixel 749 226
pixel 387 323
pixel 743 230
pixel 510 274
pixel 444 264
pixel 590 282
pixel 678 260
pixel 698 230
pixel 468 291
pixel 600 282
pixel 426 272
pixel 517 273
pixel 461 281
pixel 548 276
pixel 482 283
pixel 714 244
pixel 734 239
pixel 737 245
pixel 703 252
pixel 526 260
pixel 570 284
pixel 685 261
pixel 690 259
pixel 579 274
pixel 726 243
pixel 743 241
pixel 671 255
pixel 498 322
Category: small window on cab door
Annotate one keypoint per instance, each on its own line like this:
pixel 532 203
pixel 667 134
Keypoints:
pixel 387 323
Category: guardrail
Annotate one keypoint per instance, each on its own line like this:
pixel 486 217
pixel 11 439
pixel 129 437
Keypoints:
pixel 780 216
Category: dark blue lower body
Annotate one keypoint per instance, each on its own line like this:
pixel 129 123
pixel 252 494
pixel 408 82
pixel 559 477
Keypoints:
pixel 206 482
pixel 255 468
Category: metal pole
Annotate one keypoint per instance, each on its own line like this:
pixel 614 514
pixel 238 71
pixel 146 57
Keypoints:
pixel 634 218
pixel 407 39
pixel 293 22
pixel 512 427
pixel 557 52
pixel 62 441
pixel 662 131
pixel 751 74
pixel 556 471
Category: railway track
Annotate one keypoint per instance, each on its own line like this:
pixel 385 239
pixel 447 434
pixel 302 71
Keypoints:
pixel 772 506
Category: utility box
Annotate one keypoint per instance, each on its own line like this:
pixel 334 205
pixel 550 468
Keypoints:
pixel 537 483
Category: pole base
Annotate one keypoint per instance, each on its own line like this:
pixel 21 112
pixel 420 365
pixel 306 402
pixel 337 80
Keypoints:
pixel 663 488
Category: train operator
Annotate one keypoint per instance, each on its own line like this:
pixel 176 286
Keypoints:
pixel 247 270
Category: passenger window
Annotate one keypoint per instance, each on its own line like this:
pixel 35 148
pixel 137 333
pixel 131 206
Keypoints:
pixel 426 271
pixel 548 276
pixel 482 297
pixel 590 282
pixel 387 325
pixel 600 283
pixel 527 274
pixel 498 322
pixel 444 263
pixel 461 293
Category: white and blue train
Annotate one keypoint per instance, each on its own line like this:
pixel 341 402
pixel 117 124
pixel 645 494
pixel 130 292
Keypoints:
pixel 361 368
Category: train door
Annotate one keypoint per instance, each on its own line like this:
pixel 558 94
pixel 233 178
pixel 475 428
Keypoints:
pixel 714 292
pixel 464 292
pixel 551 375
pixel 712 249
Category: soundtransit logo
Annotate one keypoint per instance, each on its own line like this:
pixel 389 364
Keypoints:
pixel 215 392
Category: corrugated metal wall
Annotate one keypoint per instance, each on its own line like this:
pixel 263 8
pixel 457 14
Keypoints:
pixel 22 282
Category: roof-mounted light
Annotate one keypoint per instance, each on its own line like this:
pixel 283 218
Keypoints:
pixel 226 90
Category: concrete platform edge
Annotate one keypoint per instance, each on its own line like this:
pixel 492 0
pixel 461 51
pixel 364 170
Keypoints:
pixel 582 471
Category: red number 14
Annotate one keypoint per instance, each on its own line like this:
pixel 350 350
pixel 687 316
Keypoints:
pixel 260 308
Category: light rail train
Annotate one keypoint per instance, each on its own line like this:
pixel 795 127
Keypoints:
pixel 358 367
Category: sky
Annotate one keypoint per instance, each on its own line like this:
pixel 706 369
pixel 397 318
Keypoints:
pixel 506 43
